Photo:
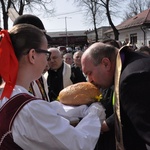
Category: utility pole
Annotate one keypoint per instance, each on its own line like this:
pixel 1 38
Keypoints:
pixel 66 28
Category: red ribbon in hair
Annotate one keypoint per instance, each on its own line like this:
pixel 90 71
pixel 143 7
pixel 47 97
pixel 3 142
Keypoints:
pixel 8 64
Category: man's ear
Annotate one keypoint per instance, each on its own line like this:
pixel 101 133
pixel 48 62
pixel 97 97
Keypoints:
pixel 106 63
pixel 32 56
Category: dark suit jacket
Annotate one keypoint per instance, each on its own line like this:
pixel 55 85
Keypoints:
pixel 135 100
pixel 107 139
pixel 55 80
pixel 77 74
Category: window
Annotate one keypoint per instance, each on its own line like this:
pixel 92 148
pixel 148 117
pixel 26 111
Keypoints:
pixel 133 38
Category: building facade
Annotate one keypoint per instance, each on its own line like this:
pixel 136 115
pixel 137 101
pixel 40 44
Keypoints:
pixel 71 38
pixel 101 34
pixel 135 30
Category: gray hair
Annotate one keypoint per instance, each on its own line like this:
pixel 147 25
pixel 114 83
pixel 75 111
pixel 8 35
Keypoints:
pixel 98 51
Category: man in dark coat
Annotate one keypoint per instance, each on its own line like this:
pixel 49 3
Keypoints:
pixel 61 74
pixel 99 65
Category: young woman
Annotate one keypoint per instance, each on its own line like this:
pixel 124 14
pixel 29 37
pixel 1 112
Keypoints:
pixel 30 123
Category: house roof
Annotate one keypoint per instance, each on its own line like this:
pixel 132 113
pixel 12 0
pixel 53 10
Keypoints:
pixel 140 19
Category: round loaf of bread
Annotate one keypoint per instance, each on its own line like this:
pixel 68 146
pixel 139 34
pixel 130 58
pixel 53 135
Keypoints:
pixel 79 94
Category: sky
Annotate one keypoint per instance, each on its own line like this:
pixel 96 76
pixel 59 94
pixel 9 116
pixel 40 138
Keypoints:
pixel 74 17
pixel 74 21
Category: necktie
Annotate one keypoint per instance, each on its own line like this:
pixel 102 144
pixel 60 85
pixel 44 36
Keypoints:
pixel 118 125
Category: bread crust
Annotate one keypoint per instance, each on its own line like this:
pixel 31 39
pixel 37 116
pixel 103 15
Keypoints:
pixel 79 94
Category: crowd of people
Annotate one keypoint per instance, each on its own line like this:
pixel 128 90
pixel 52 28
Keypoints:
pixel 33 123
pixel 31 116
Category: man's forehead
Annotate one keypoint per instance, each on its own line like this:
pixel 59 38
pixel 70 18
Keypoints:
pixel 55 52
pixel 86 56
pixel 86 62
pixel 87 67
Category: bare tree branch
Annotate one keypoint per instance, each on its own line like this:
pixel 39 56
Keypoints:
pixel 25 5
pixel 135 7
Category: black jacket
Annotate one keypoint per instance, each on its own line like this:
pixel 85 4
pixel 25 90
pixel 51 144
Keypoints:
pixel 107 139
pixel 135 100
pixel 55 80
pixel 77 74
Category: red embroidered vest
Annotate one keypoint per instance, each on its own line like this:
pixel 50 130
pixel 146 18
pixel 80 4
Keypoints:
pixel 8 112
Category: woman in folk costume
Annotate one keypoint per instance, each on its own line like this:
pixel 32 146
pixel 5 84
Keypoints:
pixel 27 122
pixel 38 87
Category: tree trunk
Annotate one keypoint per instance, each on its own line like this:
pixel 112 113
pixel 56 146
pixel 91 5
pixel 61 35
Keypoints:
pixel 96 34
pixel 116 33
pixel 5 21
pixel 95 29
pixel 5 11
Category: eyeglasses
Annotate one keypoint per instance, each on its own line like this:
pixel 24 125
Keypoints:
pixel 48 54
pixel 38 50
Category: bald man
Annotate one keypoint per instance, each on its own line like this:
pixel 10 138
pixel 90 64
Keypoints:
pixel 58 75
pixel 61 74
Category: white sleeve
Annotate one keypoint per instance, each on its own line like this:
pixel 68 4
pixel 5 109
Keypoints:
pixel 39 127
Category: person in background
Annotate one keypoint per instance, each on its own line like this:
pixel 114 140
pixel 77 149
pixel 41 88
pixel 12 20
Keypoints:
pixel 77 59
pixel 112 42
pixel 61 74
pixel 119 43
pixel 85 47
pixel 77 74
pixel 38 88
pixel 99 64
pixel 31 123
pixel 68 58
pixel 58 75
pixel 145 50
pixel 33 20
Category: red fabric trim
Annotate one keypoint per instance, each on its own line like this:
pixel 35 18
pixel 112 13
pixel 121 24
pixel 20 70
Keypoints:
pixel 8 64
